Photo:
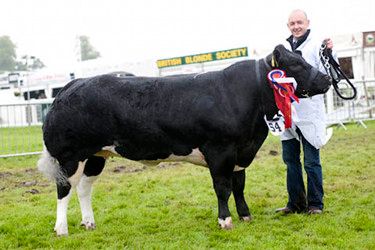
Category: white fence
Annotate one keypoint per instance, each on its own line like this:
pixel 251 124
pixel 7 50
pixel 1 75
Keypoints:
pixel 20 127
pixel 21 133
pixel 361 108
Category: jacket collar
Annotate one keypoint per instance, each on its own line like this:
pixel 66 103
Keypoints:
pixel 300 41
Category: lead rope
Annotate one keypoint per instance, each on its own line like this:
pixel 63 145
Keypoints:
pixel 333 69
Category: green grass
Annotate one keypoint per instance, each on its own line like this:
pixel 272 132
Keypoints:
pixel 173 206
pixel 20 140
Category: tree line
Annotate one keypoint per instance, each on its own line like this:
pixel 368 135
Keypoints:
pixel 10 62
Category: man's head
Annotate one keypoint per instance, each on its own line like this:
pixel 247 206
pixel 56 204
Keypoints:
pixel 298 23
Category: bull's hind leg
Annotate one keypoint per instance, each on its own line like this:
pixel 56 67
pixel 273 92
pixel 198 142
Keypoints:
pixel 238 185
pixel 73 172
pixel 93 168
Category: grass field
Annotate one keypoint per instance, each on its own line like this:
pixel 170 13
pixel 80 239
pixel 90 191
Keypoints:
pixel 20 140
pixel 173 206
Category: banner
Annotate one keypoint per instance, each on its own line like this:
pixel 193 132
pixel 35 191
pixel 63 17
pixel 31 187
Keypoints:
pixel 202 58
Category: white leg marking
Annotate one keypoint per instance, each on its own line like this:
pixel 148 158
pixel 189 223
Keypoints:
pixel 84 189
pixel 61 226
pixel 226 224
pixel 246 218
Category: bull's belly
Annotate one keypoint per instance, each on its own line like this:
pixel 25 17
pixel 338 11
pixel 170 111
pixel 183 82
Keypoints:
pixel 196 157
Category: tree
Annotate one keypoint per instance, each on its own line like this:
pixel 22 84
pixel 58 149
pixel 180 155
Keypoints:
pixel 7 54
pixel 88 52
pixel 8 58
pixel 29 63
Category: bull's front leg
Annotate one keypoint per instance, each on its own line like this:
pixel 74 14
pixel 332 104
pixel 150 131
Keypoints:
pixel 221 161
pixel 238 185
pixel 223 188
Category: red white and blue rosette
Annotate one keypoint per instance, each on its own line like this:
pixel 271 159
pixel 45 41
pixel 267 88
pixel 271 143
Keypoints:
pixel 274 74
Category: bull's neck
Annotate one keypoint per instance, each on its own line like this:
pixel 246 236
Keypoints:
pixel 268 104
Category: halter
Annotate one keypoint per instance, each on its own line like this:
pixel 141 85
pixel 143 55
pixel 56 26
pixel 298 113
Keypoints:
pixel 333 69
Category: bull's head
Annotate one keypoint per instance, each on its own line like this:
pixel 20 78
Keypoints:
pixel 310 80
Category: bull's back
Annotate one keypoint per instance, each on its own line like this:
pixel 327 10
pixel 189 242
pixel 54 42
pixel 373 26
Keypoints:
pixel 95 112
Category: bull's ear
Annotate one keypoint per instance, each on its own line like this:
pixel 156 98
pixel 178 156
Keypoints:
pixel 276 55
pixel 277 52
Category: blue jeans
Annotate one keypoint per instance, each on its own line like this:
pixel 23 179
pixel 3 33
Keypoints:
pixel 296 189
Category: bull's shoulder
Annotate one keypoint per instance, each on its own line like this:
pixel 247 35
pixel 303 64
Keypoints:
pixel 239 69
pixel 69 85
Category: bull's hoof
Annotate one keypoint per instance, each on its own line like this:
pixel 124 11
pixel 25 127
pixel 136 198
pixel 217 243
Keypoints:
pixel 61 230
pixel 88 225
pixel 226 224
pixel 246 218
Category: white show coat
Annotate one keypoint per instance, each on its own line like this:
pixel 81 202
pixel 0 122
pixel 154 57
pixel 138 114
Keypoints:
pixel 310 111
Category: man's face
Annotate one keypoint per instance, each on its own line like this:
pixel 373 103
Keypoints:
pixel 298 24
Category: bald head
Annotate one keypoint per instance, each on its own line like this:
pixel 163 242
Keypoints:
pixel 298 12
pixel 298 23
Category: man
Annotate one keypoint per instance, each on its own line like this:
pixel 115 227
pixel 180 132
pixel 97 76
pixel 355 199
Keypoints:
pixel 308 128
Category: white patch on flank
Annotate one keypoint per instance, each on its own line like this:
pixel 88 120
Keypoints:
pixel 237 168
pixel 84 189
pixel 196 157
pixel 226 224
pixel 61 226
pixel 108 151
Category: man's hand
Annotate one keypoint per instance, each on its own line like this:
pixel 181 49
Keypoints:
pixel 328 43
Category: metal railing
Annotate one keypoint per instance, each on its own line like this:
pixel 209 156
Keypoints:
pixel 20 127
pixel 358 110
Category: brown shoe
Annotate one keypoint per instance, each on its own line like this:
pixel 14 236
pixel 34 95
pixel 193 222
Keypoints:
pixel 284 210
pixel 314 210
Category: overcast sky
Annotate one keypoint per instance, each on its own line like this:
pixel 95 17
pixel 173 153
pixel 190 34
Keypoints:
pixel 137 30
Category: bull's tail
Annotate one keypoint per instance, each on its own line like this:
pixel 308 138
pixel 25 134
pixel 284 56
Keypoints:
pixel 51 168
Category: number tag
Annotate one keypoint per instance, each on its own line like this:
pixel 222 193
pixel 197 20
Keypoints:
pixel 276 126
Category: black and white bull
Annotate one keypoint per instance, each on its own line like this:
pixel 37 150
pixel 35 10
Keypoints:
pixel 213 119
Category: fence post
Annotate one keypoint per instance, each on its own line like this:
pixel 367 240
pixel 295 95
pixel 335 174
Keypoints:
pixel 366 96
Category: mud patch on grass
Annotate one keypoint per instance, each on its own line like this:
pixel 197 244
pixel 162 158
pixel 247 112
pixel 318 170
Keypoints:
pixel 168 164
pixel 31 170
pixel 128 169
pixel 27 184
pixel 33 191
pixel 273 152
pixel 5 174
